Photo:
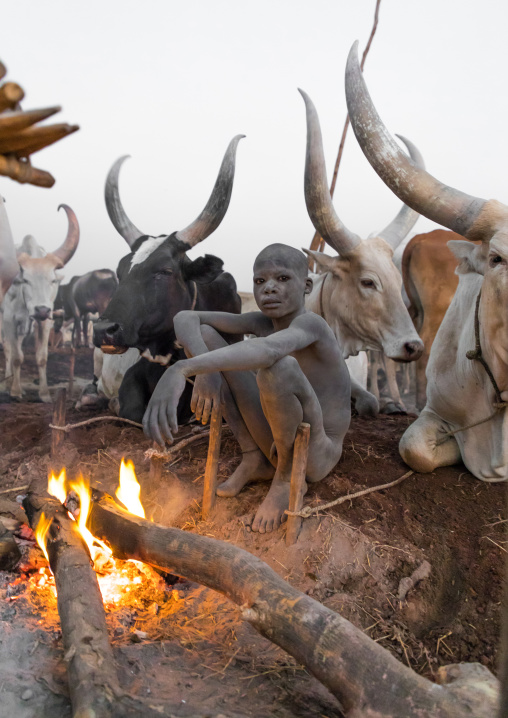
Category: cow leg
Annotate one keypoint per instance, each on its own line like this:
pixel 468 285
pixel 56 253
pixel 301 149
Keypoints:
pixel 15 361
pixel 373 370
pixel 393 386
pixel 419 445
pixel 42 330
pixel 366 403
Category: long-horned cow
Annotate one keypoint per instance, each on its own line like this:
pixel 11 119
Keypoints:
pixel 359 292
pixel 465 415
pixel 156 281
pixel 30 299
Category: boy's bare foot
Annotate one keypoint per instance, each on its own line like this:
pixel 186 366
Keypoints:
pixel 271 512
pixel 254 467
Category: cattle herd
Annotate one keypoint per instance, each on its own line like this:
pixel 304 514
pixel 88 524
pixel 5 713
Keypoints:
pixel 446 286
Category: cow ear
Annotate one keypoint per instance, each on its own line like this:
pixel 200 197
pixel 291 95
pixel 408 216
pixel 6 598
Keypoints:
pixel 203 270
pixel 324 263
pixel 470 256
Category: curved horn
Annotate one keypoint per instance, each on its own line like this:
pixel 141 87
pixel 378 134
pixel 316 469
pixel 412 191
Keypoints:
pixel 406 219
pixel 115 209
pixel 317 194
pixel 217 206
pixel 67 249
pixel 414 186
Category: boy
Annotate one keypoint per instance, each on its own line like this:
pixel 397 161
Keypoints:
pixel 291 371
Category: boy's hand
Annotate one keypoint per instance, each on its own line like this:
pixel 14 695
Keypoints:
pixel 160 421
pixel 206 394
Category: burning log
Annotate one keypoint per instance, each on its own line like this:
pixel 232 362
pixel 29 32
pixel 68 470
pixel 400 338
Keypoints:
pixel 368 681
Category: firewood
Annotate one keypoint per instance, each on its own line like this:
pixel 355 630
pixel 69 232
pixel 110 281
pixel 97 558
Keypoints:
pixel 367 680
pixel 23 172
pixel 10 95
pixel 93 682
pixel 12 122
pixel 26 142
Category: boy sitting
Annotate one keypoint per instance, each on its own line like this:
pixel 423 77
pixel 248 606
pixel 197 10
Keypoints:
pixel 291 371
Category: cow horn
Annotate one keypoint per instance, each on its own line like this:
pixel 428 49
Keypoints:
pixel 115 209
pixel 317 195
pixel 406 219
pixel 67 249
pixel 413 185
pixel 218 204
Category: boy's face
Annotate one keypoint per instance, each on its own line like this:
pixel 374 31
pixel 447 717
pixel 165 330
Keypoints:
pixel 279 289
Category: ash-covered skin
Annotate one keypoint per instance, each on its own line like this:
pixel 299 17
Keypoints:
pixel 291 371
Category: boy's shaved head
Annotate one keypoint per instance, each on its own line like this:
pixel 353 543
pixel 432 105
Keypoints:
pixel 286 255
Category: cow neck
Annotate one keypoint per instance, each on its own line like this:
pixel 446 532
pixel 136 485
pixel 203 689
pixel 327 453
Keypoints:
pixel 477 354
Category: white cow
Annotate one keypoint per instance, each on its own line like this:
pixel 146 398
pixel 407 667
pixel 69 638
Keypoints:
pixel 8 262
pixel 465 415
pixel 30 299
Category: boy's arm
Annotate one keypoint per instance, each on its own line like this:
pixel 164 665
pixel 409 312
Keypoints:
pixel 187 326
pixel 160 417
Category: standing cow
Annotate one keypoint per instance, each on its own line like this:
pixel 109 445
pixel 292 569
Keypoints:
pixel 30 299
pixel 467 373
pixel 156 281
pixel 82 296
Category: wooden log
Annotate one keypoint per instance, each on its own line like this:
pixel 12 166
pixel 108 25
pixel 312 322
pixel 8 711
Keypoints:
pixel 10 95
pixel 32 139
pixel 212 462
pixel 12 122
pixel 367 680
pixel 298 485
pixel 57 435
pixel 24 173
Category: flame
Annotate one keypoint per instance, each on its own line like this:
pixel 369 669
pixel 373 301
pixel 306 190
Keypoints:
pixel 129 489
pixel 82 488
pixel 41 532
pixel 57 486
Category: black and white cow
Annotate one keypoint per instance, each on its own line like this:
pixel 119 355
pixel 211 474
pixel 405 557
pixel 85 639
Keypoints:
pixel 156 281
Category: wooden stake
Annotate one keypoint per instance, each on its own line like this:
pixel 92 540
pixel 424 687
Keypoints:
pixel 298 485
pixel 212 462
pixel 155 467
pixel 57 435
pixel 72 365
pixel 23 172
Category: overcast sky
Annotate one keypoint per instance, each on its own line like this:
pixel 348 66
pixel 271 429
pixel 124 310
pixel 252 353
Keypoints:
pixel 171 82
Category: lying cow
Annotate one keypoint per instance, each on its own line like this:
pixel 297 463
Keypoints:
pixel 156 281
pixel 359 292
pixel 464 416
pixel 30 299
pixel 82 296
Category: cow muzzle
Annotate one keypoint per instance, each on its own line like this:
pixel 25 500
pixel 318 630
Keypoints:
pixel 41 313
pixel 410 351
pixel 107 337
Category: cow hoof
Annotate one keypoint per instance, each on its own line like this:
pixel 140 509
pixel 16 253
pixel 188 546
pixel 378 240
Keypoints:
pixel 46 398
pixel 114 405
pixel 391 407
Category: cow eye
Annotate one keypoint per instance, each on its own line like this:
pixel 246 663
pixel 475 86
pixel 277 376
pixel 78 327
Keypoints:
pixel 164 273
pixel 368 283
pixel 496 259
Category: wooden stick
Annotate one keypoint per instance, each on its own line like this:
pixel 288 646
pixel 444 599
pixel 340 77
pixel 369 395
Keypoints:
pixel 156 463
pixel 10 95
pixel 24 173
pixel 57 435
pixel 212 462
pixel 32 139
pixel 72 364
pixel 298 485
pixel 93 682
pixel 365 677
pixel 12 122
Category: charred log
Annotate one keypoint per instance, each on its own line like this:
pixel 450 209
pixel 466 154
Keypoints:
pixel 367 680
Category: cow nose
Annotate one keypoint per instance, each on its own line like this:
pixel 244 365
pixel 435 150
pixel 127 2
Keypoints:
pixel 42 313
pixel 104 332
pixel 413 350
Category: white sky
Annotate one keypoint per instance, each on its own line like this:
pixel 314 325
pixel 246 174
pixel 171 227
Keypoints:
pixel 170 82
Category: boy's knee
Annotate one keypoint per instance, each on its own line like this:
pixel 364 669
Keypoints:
pixel 270 378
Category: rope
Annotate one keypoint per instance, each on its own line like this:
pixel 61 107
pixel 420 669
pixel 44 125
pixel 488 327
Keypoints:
pixel 168 453
pixel 69 427
pixel 309 510
pixel 476 354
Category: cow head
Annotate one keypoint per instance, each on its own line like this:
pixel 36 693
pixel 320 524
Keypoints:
pixel 157 279
pixel 361 292
pixel 472 217
pixel 37 280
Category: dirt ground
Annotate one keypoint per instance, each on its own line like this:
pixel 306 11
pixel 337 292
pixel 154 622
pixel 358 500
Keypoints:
pixel 194 655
